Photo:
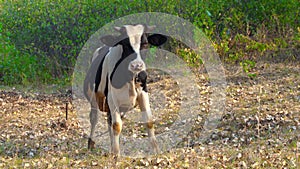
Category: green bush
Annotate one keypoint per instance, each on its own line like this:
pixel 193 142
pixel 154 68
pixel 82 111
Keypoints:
pixel 54 32
pixel 17 68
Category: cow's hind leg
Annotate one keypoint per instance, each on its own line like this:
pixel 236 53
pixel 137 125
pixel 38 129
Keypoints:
pixel 143 101
pixel 98 102
pixel 96 106
pixel 109 126
pixel 93 120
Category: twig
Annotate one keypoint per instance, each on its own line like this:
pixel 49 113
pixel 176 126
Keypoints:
pixel 258 111
pixel 298 154
pixel 66 110
pixel 258 125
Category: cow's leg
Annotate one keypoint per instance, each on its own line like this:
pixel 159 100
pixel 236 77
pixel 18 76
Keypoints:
pixel 97 104
pixel 143 101
pixel 115 128
pixel 109 126
pixel 93 120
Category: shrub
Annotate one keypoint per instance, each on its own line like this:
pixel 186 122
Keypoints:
pixel 54 32
pixel 18 68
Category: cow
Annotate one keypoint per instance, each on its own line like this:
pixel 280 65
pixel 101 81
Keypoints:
pixel 116 81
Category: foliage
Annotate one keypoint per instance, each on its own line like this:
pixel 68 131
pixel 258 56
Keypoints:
pixel 190 57
pixel 55 31
pixel 17 68
pixel 247 65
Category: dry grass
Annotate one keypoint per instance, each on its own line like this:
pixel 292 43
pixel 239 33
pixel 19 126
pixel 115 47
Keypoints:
pixel 259 129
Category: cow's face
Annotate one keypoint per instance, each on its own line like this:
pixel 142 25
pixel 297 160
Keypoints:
pixel 134 38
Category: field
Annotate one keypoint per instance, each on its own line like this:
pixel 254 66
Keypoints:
pixel 260 127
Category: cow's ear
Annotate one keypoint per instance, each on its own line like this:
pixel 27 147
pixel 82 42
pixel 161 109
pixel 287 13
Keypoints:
pixel 122 29
pixel 157 39
pixel 109 40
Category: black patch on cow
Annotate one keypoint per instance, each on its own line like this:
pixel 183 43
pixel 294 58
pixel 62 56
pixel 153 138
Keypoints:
pixel 142 78
pixel 98 76
pixel 120 74
pixel 106 87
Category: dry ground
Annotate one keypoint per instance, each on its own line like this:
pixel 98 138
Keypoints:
pixel 260 127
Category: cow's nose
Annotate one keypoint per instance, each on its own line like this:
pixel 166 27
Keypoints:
pixel 137 66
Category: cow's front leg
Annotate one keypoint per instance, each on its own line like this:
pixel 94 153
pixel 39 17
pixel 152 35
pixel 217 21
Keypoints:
pixel 143 101
pixel 115 128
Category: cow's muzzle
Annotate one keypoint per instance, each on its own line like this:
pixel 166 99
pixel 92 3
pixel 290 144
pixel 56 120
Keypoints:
pixel 137 66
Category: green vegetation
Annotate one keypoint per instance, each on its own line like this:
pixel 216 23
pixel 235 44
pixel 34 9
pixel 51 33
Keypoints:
pixel 39 41
pixel 20 68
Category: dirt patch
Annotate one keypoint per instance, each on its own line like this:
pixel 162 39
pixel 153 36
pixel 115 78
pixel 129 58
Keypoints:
pixel 259 129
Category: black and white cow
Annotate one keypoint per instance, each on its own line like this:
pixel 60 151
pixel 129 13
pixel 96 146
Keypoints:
pixel 116 80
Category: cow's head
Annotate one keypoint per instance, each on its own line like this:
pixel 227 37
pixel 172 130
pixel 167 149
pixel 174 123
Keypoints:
pixel 133 39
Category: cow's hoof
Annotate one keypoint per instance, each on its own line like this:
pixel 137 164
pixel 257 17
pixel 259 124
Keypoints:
pixel 91 144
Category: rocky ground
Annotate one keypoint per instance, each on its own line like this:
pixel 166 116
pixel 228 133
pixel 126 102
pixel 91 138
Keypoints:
pixel 260 127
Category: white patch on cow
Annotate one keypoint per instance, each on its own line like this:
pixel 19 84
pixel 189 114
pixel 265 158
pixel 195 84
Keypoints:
pixel 135 33
pixel 124 97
